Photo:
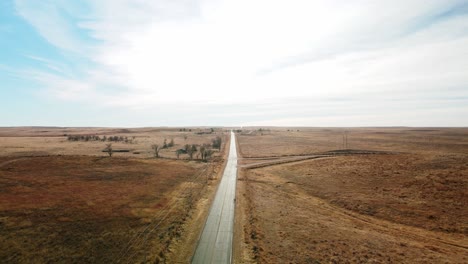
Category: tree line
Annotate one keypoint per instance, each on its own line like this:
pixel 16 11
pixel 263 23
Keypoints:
pixel 98 138
pixel 204 151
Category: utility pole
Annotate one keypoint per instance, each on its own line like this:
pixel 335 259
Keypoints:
pixel 346 133
pixel 345 139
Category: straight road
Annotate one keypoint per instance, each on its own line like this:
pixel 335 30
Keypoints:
pixel 215 244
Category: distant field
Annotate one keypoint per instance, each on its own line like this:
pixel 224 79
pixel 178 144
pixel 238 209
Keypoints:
pixel 408 206
pixel 303 141
pixel 67 202
pixel 53 141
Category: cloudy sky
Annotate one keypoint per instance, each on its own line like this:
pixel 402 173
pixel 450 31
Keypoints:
pixel 234 62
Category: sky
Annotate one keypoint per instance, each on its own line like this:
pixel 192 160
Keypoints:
pixel 140 63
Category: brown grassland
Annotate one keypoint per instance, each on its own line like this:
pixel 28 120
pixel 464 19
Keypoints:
pixel 392 195
pixel 404 203
pixel 68 202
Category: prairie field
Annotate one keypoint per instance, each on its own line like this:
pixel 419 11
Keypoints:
pixel 305 195
pixel 41 141
pixel 68 202
pixel 391 195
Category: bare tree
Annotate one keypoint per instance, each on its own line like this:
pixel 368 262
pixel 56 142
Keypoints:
pixel 190 150
pixel 190 153
pixel 171 143
pixel 217 142
pixel 202 152
pixel 108 149
pixel 156 148
pixel 193 150
pixel 208 154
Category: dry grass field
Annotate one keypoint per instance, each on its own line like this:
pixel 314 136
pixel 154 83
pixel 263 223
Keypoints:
pixel 407 204
pixel 40 141
pixel 67 202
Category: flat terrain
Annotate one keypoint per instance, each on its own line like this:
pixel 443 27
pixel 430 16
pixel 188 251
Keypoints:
pixel 40 141
pixel 405 201
pixel 67 202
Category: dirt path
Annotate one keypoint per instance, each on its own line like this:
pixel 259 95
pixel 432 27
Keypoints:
pixel 10 161
pixel 257 165
pixel 250 163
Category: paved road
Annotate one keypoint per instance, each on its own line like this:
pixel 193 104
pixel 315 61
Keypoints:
pixel 215 244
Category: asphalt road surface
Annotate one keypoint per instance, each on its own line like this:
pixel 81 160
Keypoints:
pixel 215 244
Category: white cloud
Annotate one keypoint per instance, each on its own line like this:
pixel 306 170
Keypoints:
pixel 242 52
pixel 49 19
